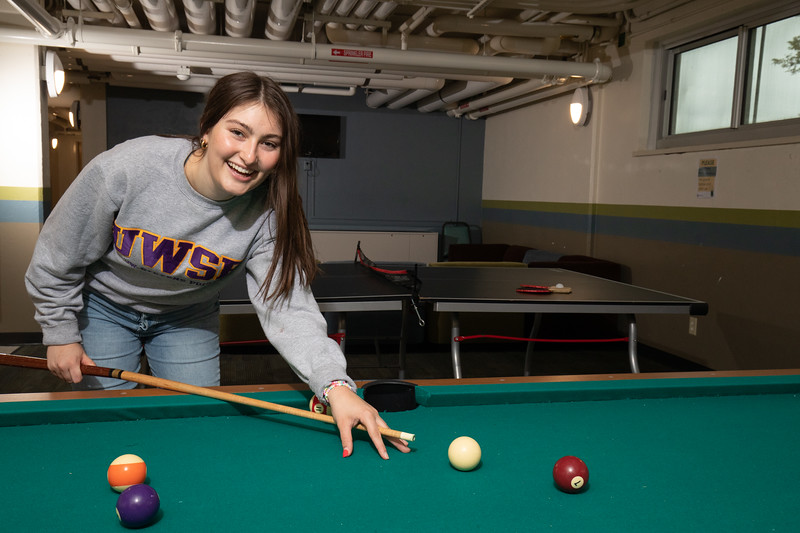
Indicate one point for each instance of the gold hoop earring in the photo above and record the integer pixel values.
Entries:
(203, 144)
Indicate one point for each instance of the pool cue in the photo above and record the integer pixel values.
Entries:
(177, 386)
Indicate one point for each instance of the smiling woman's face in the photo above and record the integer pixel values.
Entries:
(242, 149)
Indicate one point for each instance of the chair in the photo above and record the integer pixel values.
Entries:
(453, 233)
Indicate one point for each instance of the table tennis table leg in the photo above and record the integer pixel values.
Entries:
(401, 373)
(537, 323)
(455, 331)
(342, 329)
(632, 341)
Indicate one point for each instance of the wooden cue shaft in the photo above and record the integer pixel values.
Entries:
(177, 386)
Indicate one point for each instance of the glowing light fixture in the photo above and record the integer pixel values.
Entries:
(53, 74)
(54, 143)
(581, 106)
(75, 114)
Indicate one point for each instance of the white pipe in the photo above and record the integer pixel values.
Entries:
(281, 18)
(339, 35)
(456, 91)
(376, 99)
(160, 14)
(184, 45)
(362, 11)
(409, 98)
(126, 8)
(487, 26)
(105, 6)
(201, 16)
(502, 95)
(44, 22)
(511, 104)
(239, 17)
(382, 13)
(547, 46)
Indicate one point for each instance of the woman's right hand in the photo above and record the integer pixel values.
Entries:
(64, 361)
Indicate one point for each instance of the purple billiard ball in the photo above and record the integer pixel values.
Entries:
(137, 505)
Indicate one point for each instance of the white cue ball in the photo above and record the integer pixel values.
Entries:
(464, 453)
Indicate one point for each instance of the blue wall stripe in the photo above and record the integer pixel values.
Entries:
(21, 211)
(762, 239)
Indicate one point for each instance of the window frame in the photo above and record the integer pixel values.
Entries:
(737, 132)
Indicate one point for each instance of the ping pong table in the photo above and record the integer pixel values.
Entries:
(347, 287)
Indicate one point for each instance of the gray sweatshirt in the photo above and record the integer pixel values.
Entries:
(132, 229)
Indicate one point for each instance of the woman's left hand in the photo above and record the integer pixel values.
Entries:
(348, 409)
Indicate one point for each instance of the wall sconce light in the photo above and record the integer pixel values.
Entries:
(581, 106)
(54, 143)
(75, 114)
(184, 73)
(53, 74)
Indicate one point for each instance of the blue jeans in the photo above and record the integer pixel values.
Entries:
(181, 345)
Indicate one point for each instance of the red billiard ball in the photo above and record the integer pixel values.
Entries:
(570, 474)
(137, 505)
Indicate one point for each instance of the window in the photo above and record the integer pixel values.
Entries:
(736, 85)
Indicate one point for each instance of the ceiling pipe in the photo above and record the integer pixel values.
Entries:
(509, 93)
(547, 46)
(126, 8)
(106, 6)
(487, 26)
(525, 100)
(100, 39)
(381, 13)
(377, 98)
(239, 17)
(44, 22)
(201, 16)
(281, 19)
(362, 11)
(456, 91)
(160, 14)
(339, 35)
(409, 98)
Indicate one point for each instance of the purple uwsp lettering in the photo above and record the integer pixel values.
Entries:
(168, 252)
(124, 240)
(205, 264)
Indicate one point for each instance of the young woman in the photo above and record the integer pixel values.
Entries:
(136, 252)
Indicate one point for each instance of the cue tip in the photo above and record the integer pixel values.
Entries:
(410, 437)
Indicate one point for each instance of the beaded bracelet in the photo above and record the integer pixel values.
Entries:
(333, 385)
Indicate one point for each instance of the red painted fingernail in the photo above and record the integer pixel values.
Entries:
(346, 453)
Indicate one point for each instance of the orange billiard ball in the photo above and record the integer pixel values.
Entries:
(126, 470)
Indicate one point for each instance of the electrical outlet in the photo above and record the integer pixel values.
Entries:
(692, 325)
(307, 165)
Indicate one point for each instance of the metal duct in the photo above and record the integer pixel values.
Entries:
(160, 14)
(239, 17)
(281, 18)
(44, 22)
(106, 6)
(201, 16)
(339, 35)
(409, 98)
(382, 13)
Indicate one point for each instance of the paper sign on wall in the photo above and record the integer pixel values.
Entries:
(706, 175)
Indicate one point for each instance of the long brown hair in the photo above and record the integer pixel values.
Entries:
(293, 251)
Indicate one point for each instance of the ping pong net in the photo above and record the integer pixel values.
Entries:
(403, 277)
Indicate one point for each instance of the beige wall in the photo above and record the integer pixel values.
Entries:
(535, 155)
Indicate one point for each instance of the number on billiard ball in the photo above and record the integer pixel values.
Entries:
(137, 506)
(570, 474)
